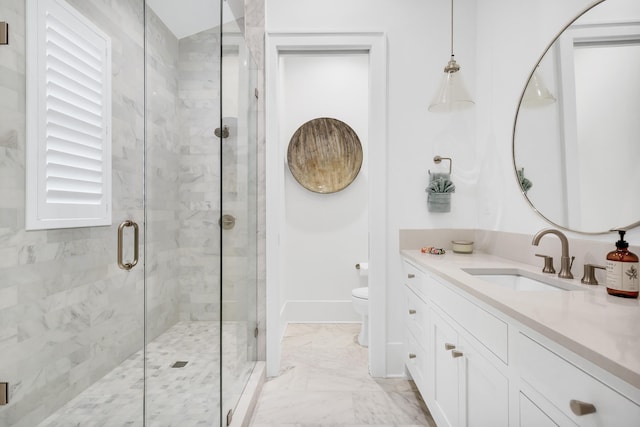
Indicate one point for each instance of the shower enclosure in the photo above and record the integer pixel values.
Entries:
(148, 318)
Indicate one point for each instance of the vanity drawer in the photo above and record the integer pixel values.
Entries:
(560, 382)
(416, 315)
(413, 278)
(484, 326)
(415, 360)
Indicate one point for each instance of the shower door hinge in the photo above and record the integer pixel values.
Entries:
(256, 92)
(4, 393)
(4, 34)
(229, 417)
(256, 331)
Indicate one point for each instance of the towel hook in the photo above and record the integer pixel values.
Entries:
(438, 159)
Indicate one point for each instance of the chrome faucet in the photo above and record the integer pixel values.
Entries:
(565, 261)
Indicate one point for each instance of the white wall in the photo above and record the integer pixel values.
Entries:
(497, 43)
(325, 234)
(417, 34)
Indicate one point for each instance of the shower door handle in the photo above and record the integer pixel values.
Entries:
(128, 265)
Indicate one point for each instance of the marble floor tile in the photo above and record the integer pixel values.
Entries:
(293, 407)
(324, 381)
(175, 397)
(291, 377)
(389, 407)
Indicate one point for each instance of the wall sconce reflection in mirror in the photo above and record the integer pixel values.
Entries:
(537, 94)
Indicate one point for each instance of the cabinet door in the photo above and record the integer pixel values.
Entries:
(485, 397)
(446, 372)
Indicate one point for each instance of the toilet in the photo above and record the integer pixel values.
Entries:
(360, 299)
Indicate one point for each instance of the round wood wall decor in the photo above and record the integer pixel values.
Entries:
(324, 155)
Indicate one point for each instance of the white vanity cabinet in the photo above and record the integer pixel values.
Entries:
(415, 339)
(477, 367)
(416, 321)
(459, 378)
(577, 395)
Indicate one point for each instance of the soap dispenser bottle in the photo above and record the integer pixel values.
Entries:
(622, 270)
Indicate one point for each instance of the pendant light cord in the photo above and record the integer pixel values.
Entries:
(451, 27)
(452, 94)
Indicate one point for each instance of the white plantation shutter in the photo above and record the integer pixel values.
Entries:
(69, 119)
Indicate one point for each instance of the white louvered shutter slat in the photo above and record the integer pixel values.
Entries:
(69, 135)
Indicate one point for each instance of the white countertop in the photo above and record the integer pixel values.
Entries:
(593, 324)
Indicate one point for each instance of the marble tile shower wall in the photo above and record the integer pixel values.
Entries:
(199, 94)
(68, 315)
(163, 171)
(199, 181)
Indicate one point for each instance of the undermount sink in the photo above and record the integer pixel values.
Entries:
(520, 280)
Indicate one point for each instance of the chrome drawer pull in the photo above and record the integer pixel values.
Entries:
(581, 408)
(456, 353)
(411, 276)
(412, 312)
(412, 356)
(448, 346)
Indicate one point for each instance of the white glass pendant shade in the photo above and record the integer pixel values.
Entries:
(452, 94)
(536, 94)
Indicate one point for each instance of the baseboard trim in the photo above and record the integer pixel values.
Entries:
(395, 360)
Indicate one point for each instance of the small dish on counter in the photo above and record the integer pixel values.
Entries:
(462, 246)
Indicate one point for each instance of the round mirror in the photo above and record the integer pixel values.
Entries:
(576, 138)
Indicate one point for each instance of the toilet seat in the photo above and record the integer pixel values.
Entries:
(361, 293)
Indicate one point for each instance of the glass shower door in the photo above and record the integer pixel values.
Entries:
(183, 243)
(83, 341)
(238, 194)
(71, 321)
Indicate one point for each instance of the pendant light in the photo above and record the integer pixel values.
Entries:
(452, 94)
(536, 93)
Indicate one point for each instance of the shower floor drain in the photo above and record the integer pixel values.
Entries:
(179, 364)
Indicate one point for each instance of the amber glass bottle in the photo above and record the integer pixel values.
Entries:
(622, 270)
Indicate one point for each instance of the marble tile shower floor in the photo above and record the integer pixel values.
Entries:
(176, 397)
(324, 380)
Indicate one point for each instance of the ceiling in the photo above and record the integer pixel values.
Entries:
(188, 17)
